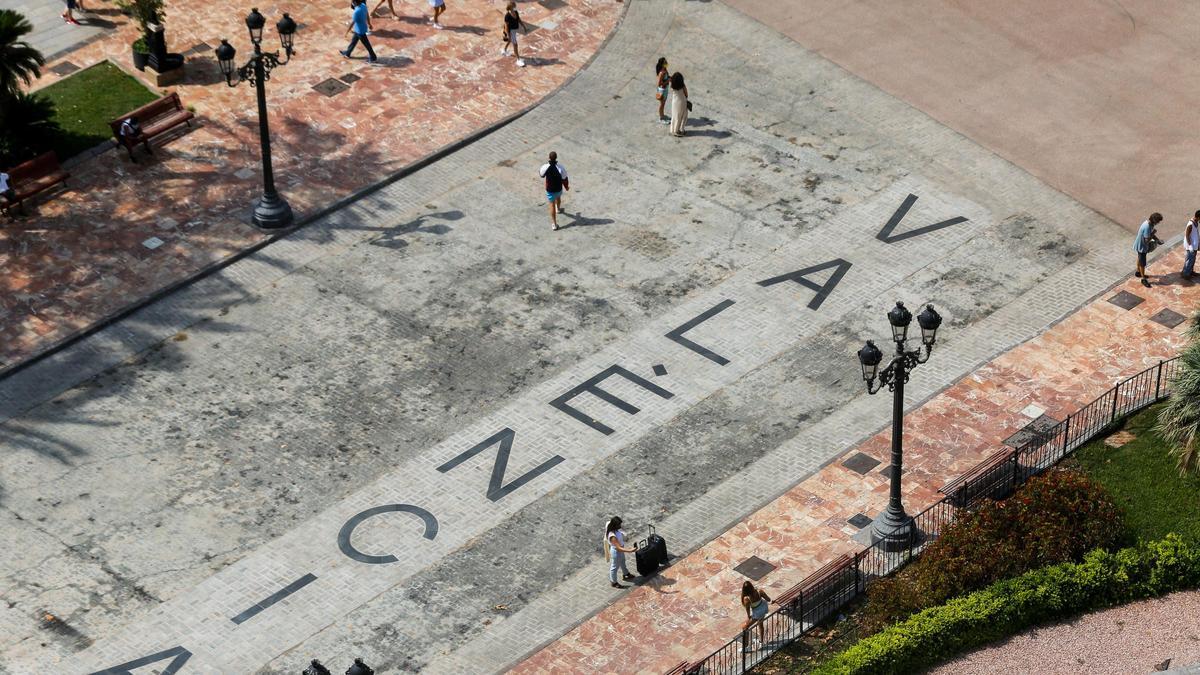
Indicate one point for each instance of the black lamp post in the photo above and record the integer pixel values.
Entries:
(895, 527)
(272, 211)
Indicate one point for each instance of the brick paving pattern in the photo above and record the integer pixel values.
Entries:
(692, 608)
(79, 256)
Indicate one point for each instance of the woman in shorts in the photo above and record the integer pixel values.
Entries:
(512, 21)
(756, 602)
(390, 8)
(438, 6)
(663, 79)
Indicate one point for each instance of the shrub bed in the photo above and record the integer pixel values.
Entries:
(1056, 517)
(1007, 607)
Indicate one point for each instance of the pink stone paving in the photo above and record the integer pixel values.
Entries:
(693, 607)
(79, 256)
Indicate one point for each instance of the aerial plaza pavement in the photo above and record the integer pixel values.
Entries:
(397, 433)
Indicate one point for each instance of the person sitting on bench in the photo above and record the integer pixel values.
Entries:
(131, 133)
(7, 193)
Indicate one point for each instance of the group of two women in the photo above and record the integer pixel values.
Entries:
(679, 97)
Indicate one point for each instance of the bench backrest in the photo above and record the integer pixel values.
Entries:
(147, 113)
(826, 571)
(39, 166)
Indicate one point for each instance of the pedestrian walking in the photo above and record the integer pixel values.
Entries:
(679, 104)
(1147, 240)
(390, 8)
(755, 601)
(438, 6)
(1191, 242)
(662, 78)
(68, 14)
(615, 550)
(360, 25)
(512, 21)
(556, 181)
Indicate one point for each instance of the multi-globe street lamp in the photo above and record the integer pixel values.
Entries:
(893, 526)
(271, 211)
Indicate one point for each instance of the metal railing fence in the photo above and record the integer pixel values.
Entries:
(1002, 475)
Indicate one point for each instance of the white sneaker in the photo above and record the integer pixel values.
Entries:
(521, 62)
(438, 26)
(503, 52)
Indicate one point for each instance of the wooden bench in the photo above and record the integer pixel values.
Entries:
(954, 489)
(812, 580)
(33, 178)
(155, 118)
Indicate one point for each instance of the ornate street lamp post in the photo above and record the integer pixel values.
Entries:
(895, 527)
(272, 211)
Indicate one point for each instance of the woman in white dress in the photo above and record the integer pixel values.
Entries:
(679, 104)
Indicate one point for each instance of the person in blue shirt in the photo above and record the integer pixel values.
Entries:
(360, 25)
(1145, 242)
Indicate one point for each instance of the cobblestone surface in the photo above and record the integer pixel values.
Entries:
(334, 371)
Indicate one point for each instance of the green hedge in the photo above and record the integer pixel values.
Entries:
(1010, 606)
(1056, 517)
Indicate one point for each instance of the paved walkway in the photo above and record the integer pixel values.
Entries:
(122, 232)
(202, 477)
(54, 37)
(692, 608)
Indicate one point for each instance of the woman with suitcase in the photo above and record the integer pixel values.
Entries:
(615, 550)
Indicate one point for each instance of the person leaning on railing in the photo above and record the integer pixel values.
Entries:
(756, 602)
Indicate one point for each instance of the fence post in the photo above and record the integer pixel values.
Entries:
(745, 646)
(1158, 380)
(800, 602)
(1116, 392)
(1066, 434)
(858, 585)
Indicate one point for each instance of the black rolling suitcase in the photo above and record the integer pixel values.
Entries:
(651, 554)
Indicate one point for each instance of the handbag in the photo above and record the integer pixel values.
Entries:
(689, 106)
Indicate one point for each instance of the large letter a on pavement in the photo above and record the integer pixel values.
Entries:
(822, 290)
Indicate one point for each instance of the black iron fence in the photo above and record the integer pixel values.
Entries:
(829, 589)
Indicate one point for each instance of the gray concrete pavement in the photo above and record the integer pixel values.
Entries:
(178, 468)
(51, 35)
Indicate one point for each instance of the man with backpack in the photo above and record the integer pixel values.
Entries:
(556, 181)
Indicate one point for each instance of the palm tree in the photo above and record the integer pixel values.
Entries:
(1179, 421)
(27, 127)
(19, 62)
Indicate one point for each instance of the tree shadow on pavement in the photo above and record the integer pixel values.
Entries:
(391, 237)
(43, 407)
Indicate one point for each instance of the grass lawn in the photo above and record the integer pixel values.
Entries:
(1142, 477)
(86, 101)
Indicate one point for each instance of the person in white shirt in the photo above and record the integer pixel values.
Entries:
(556, 181)
(6, 191)
(1191, 242)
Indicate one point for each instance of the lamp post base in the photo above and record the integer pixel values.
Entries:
(895, 529)
(272, 212)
